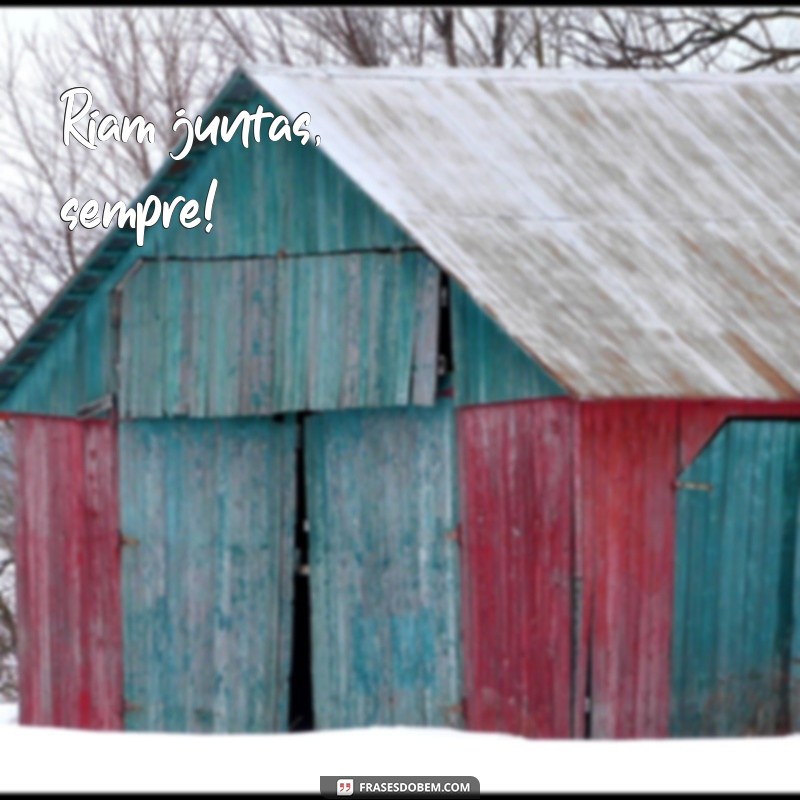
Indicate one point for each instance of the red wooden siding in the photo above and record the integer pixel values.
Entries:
(700, 420)
(515, 479)
(568, 530)
(628, 455)
(627, 462)
(68, 573)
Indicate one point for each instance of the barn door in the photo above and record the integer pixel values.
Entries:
(517, 523)
(67, 573)
(383, 560)
(736, 584)
(207, 512)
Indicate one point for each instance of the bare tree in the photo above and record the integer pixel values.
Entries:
(734, 39)
(362, 37)
(155, 61)
(408, 36)
(731, 39)
(8, 628)
(134, 61)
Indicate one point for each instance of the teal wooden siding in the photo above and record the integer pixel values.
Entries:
(207, 581)
(72, 371)
(232, 338)
(279, 196)
(735, 583)
(384, 567)
(489, 366)
(794, 668)
(271, 197)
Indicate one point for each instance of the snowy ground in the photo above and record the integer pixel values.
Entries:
(44, 759)
(8, 714)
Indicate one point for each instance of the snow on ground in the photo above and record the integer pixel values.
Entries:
(8, 714)
(47, 759)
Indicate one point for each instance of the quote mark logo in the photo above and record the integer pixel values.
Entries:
(344, 787)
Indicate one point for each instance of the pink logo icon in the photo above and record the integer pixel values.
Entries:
(344, 787)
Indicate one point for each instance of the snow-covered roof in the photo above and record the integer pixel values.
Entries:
(636, 233)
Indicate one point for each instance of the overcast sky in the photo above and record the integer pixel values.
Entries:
(24, 19)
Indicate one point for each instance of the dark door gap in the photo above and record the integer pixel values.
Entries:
(301, 711)
(587, 694)
(445, 334)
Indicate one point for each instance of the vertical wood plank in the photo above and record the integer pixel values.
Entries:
(68, 573)
(736, 549)
(319, 333)
(384, 574)
(207, 595)
(627, 453)
(515, 463)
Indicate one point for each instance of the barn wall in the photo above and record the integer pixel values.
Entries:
(592, 483)
(230, 338)
(489, 366)
(68, 583)
(794, 648)
(384, 569)
(207, 579)
(74, 369)
(276, 196)
(629, 456)
(626, 456)
(515, 463)
(735, 582)
(280, 196)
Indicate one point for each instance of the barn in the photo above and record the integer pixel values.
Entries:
(485, 414)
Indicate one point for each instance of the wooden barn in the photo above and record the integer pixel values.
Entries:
(485, 413)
